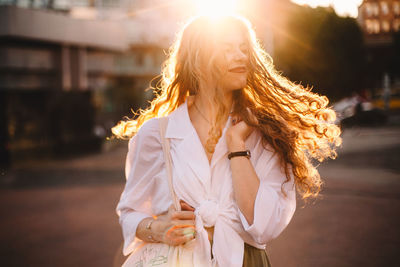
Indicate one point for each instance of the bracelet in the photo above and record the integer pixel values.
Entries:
(148, 227)
(245, 153)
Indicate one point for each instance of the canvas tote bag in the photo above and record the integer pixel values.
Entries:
(160, 254)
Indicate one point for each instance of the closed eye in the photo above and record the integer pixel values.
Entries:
(244, 48)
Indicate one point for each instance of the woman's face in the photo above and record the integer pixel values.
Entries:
(232, 59)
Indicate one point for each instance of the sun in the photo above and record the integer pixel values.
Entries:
(216, 8)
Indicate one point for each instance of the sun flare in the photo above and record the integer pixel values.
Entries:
(216, 8)
(342, 7)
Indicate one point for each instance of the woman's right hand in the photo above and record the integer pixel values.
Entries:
(175, 227)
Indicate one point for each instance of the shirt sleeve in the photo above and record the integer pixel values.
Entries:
(272, 209)
(145, 191)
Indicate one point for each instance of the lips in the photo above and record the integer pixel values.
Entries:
(239, 69)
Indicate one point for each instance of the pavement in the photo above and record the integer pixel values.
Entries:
(355, 222)
(62, 212)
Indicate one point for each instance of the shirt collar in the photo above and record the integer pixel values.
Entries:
(179, 124)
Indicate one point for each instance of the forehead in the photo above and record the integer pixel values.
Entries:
(233, 36)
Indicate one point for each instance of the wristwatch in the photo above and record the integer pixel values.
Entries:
(245, 153)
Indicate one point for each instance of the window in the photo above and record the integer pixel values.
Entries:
(384, 8)
(375, 9)
(372, 26)
(368, 25)
(396, 25)
(396, 8)
(377, 27)
(140, 58)
(368, 9)
(385, 26)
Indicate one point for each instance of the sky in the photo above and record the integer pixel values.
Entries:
(342, 7)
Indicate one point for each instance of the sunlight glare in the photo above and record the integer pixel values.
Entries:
(342, 7)
(216, 8)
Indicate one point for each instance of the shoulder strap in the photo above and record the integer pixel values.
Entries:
(163, 123)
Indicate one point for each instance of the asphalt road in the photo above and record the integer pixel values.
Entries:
(61, 212)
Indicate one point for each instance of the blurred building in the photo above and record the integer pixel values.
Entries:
(380, 21)
(64, 80)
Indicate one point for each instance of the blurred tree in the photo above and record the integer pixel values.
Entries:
(320, 49)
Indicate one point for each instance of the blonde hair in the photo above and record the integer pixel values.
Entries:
(294, 121)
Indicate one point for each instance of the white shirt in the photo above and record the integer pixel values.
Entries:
(205, 186)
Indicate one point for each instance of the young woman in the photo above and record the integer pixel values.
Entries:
(242, 139)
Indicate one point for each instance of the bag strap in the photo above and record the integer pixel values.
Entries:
(163, 123)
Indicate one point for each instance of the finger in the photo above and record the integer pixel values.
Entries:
(174, 232)
(182, 240)
(252, 117)
(183, 215)
(183, 223)
(187, 233)
(184, 231)
(179, 230)
(171, 231)
(245, 129)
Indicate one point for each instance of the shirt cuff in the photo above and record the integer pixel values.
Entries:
(130, 223)
(265, 217)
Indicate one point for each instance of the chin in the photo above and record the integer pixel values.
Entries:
(239, 85)
(236, 84)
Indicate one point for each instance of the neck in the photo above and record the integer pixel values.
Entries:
(207, 108)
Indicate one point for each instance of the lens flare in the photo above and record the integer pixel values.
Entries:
(216, 8)
(342, 7)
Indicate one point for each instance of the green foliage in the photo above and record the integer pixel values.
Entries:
(322, 50)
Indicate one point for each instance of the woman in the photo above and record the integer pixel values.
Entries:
(222, 96)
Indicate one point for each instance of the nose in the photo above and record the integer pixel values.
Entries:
(241, 55)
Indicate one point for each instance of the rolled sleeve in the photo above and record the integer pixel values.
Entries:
(129, 221)
(272, 209)
(144, 172)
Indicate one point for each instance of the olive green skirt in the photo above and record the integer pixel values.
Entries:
(255, 257)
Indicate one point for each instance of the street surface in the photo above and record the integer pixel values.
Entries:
(62, 212)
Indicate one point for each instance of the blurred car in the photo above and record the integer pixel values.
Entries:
(357, 111)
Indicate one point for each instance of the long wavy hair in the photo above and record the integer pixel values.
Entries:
(295, 122)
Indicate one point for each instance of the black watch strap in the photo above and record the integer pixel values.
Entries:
(245, 153)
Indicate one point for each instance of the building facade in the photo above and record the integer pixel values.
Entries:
(65, 81)
(380, 22)
(379, 19)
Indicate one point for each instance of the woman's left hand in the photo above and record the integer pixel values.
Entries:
(237, 134)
